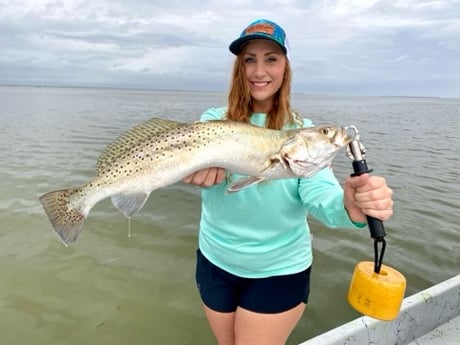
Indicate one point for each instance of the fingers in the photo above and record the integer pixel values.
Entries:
(375, 198)
(357, 181)
(368, 195)
(188, 179)
(383, 215)
(206, 177)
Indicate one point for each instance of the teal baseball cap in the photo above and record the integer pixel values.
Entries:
(261, 29)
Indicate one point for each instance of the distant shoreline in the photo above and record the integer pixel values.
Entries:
(216, 92)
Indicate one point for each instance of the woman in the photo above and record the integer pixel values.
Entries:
(255, 255)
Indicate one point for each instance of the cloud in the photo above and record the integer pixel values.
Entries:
(339, 46)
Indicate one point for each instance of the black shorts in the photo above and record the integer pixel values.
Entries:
(224, 292)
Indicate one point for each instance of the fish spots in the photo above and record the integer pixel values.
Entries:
(157, 141)
(59, 209)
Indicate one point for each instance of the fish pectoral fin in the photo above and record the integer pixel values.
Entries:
(273, 162)
(129, 204)
(243, 183)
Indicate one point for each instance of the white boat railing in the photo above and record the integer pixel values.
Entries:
(420, 314)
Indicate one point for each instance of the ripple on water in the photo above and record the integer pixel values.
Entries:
(112, 289)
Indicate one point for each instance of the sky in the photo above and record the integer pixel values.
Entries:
(349, 47)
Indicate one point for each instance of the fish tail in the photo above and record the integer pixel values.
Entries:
(66, 221)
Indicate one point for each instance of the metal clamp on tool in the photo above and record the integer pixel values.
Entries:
(356, 151)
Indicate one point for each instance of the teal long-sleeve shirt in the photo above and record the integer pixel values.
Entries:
(262, 230)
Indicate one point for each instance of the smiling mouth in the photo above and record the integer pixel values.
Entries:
(260, 83)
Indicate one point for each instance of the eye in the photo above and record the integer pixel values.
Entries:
(271, 59)
(249, 60)
(324, 131)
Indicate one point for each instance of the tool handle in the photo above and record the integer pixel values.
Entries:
(376, 227)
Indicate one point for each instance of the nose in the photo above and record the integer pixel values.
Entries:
(259, 71)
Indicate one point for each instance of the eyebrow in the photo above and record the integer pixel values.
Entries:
(267, 53)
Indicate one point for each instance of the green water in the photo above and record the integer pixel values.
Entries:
(111, 289)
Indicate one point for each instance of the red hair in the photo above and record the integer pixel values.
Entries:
(239, 98)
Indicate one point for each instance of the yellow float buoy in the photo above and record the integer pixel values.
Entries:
(376, 290)
(378, 295)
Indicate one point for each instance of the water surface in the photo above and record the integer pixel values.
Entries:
(111, 289)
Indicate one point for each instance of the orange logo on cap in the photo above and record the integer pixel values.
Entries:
(265, 28)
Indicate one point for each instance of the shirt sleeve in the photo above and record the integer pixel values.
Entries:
(213, 114)
(322, 197)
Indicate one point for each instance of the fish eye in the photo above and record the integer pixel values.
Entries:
(324, 131)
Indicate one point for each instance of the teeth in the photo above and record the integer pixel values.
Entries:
(260, 83)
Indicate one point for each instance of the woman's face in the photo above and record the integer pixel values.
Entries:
(264, 65)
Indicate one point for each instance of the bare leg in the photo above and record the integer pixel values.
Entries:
(222, 325)
(245, 327)
(265, 329)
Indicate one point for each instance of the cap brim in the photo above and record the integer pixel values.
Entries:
(236, 46)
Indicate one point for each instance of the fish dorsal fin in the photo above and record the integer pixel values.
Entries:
(129, 204)
(131, 138)
(243, 183)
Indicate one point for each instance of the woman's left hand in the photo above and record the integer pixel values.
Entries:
(367, 195)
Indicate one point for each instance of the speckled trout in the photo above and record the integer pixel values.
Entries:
(161, 152)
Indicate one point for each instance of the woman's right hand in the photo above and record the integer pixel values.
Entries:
(206, 177)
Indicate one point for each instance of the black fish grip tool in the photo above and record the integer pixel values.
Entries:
(356, 152)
